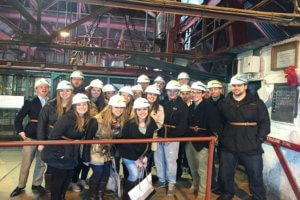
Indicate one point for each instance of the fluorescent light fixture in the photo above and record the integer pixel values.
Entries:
(64, 34)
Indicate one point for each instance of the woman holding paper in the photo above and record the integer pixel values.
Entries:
(135, 157)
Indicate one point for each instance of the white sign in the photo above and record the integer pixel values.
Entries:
(11, 101)
(286, 58)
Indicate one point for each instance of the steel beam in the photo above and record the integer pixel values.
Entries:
(96, 49)
(11, 25)
(287, 19)
(262, 3)
(100, 11)
(26, 14)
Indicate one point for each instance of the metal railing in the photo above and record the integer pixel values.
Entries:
(211, 141)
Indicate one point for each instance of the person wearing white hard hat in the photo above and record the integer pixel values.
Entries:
(203, 121)
(31, 108)
(97, 104)
(160, 82)
(94, 92)
(49, 114)
(100, 156)
(183, 78)
(109, 91)
(127, 94)
(246, 128)
(175, 124)
(137, 91)
(185, 93)
(135, 157)
(144, 81)
(156, 112)
(75, 124)
(76, 79)
(216, 89)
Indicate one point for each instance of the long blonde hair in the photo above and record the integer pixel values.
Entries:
(106, 118)
(80, 125)
(59, 106)
(147, 121)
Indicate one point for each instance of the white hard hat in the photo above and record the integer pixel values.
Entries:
(64, 85)
(159, 79)
(140, 103)
(214, 84)
(117, 101)
(95, 84)
(153, 89)
(77, 74)
(143, 79)
(126, 89)
(80, 98)
(41, 81)
(137, 87)
(183, 75)
(198, 85)
(185, 88)
(238, 79)
(108, 88)
(173, 85)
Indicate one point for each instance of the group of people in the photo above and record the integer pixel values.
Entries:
(239, 121)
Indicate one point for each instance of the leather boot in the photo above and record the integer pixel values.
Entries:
(94, 189)
(128, 185)
(102, 186)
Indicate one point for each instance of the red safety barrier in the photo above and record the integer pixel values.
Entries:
(211, 141)
(277, 143)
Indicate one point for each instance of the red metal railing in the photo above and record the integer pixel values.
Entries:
(211, 141)
(277, 143)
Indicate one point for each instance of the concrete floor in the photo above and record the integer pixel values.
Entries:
(10, 159)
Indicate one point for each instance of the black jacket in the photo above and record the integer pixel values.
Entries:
(131, 131)
(66, 156)
(31, 108)
(218, 101)
(244, 139)
(79, 90)
(205, 116)
(176, 114)
(47, 119)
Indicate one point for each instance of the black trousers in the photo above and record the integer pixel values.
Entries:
(254, 167)
(60, 181)
(80, 168)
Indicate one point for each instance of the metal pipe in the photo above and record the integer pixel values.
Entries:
(106, 141)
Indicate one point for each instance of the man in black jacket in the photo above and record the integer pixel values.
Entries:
(203, 121)
(175, 123)
(216, 89)
(32, 109)
(247, 125)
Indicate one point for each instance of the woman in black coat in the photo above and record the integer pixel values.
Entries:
(49, 114)
(76, 124)
(135, 157)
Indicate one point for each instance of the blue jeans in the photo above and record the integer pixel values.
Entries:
(254, 167)
(165, 158)
(99, 171)
(134, 172)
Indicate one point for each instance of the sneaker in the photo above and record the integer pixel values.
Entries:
(171, 190)
(84, 184)
(159, 184)
(75, 187)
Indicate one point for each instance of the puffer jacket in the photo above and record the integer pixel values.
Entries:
(244, 139)
(66, 156)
